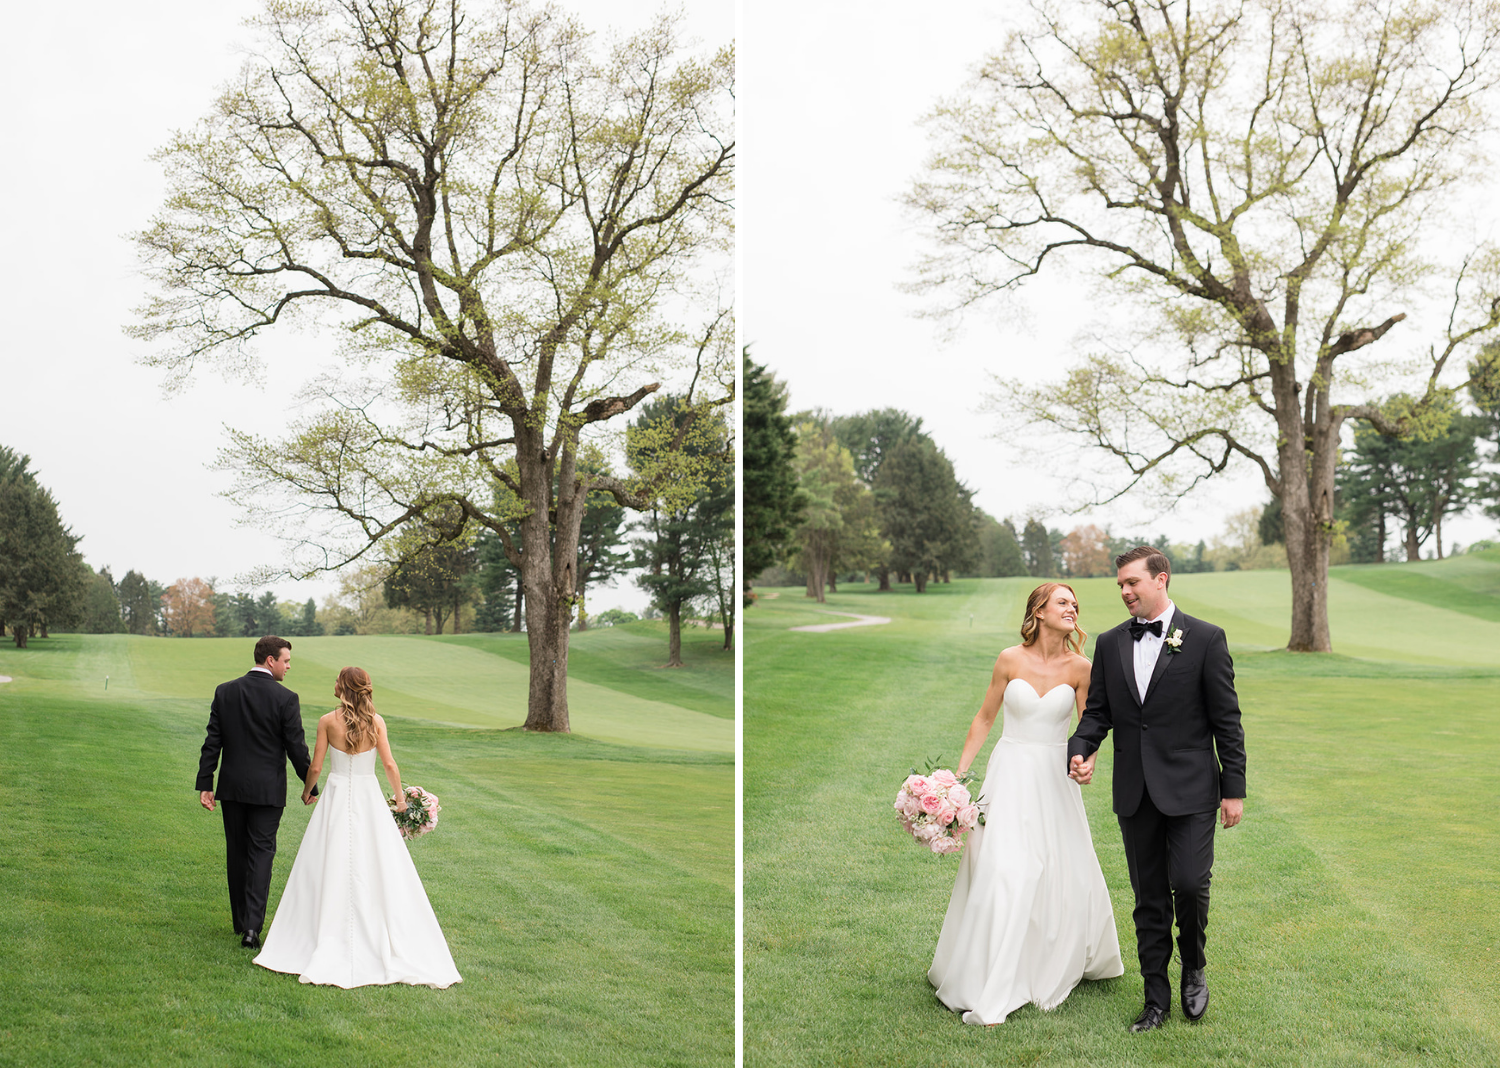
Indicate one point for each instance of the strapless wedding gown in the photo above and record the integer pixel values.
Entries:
(1030, 914)
(354, 912)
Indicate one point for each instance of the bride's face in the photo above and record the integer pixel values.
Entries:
(1060, 612)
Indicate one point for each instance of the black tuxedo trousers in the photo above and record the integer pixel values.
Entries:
(1177, 753)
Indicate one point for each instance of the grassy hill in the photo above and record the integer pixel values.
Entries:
(1353, 920)
(588, 907)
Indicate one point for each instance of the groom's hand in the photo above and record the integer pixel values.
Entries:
(1230, 811)
(206, 799)
(1082, 771)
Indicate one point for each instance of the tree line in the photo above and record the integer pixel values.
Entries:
(680, 549)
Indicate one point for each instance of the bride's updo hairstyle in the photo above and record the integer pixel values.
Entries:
(357, 707)
(1031, 626)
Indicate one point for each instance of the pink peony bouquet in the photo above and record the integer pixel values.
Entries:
(421, 813)
(937, 809)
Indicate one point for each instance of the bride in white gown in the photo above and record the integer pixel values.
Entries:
(1030, 915)
(354, 912)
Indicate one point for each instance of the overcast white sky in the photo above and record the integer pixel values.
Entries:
(831, 95)
(91, 90)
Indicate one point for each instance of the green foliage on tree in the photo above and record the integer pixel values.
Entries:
(434, 574)
(674, 548)
(43, 580)
(304, 624)
(101, 610)
(771, 501)
(1036, 546)
(839, 530)
(140, 601)
(999, 550)
(924, 511)
(611, 617)
(1414, 481)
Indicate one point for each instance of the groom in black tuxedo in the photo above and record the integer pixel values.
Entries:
(256, 724)
(1164, 683)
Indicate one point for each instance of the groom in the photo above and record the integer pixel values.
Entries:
(1165, 684)
(256, 723)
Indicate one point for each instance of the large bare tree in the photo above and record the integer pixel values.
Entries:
(510, 223)
(1263, 184)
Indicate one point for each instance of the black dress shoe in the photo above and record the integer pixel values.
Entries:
(1194, 994)
(1149, 1020)
(251, 940)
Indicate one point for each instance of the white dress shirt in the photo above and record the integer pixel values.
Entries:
(263, 669)
(1148, 649)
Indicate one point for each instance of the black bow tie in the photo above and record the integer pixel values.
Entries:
(1137, 628)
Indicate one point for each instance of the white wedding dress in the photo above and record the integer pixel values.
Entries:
(1030, 914)
(354, 912)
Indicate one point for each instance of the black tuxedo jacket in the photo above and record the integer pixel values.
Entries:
(1167, 743)
(256, 724)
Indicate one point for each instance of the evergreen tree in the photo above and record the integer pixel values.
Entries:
(924, 511)
(43, 579)
(138, 604)
(674, 550)
(101, 612)
(1036, 544)
(771, 502)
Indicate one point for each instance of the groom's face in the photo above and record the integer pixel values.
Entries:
(280, 665)
(1145, 596)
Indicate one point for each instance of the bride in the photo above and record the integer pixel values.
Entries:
(354, 912)
(1030, 915)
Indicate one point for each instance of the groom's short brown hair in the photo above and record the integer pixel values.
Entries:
(1156, 560)
(270, 645)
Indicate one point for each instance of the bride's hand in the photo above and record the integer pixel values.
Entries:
(402, 806)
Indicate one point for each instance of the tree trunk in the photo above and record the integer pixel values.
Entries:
(1307, 510)
(455, 611)
(549, 561)
(885, 580)
(1380, 545)
(516, 625)
(44, 633)
(1437, 529)
(833, 582)
(20, 632)
(674, 635)
(920, 578)
(427, 615)
(1413, 547)
(728, 634)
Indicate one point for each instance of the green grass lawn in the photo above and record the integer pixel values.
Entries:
(1355, 917)
(585, 883)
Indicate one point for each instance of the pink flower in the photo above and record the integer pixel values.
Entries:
(958, 794)
(916, 784)
(945, 814)
(968, 816)
(945, 845)
(911, 806)
(944, 778)
(931, 803)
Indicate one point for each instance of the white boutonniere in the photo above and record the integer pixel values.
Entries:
(1174, 641)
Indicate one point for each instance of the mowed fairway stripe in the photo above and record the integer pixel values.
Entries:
(433, 680)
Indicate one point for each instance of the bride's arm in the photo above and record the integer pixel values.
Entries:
(320, 747)
(979, 730)
(392, 773)
(1083, 773)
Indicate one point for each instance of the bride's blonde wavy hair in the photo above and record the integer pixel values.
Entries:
(1031, 626)
(356, 707)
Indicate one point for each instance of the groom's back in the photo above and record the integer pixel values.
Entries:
(255, 714)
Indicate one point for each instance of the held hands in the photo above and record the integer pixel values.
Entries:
(1230, 811)
(206, 799)
(1080, 770)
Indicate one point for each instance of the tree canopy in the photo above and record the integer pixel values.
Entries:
(1261, 184)
(43, 579)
